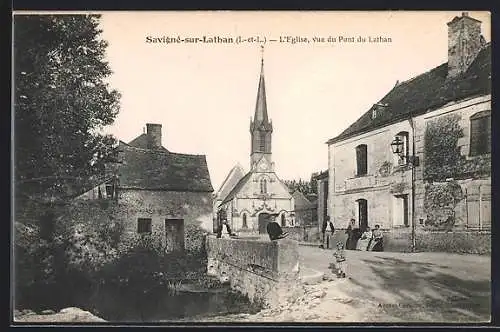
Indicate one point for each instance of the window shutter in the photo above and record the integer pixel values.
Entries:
(480, 134)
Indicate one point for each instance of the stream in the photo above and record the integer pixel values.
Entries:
(161, 305)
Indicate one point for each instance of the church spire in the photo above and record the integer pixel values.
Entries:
(260, 128)
(261, 105)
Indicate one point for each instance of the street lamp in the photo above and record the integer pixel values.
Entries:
(398, 148)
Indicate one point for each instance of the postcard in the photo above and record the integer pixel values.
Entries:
(251, 167)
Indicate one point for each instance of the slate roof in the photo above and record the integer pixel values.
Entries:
(232, 178)
(424, 93)
(141, 141)
(236, 188)
(162, 170)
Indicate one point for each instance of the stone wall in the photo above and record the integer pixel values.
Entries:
(266, 271)
(195, 208)
(301, 234)
(399, 240)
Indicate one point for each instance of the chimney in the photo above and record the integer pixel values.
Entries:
(153, 130)
(464, 43)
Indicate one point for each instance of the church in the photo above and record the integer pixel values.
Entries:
(249, 201)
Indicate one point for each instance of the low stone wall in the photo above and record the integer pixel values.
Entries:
(399, 240)
(266, 271)
(301, 234)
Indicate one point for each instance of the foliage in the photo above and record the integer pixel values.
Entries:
(305, 187)
(442, 153)
(195, 239)
(440, 201)
(443, 158)
(61, 99)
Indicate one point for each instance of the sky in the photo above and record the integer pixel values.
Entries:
(204, 94)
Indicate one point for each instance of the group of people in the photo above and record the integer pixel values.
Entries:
(369, 240)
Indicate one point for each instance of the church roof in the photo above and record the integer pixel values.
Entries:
(237, 188)
(162, 170)
(424, 93)
(232, 178)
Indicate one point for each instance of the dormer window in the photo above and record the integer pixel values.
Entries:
(374, 113)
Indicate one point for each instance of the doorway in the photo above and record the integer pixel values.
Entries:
(263, 221)
(362, 214)
(400, 215)
(174, 234)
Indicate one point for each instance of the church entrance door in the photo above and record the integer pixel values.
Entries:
(263, 220)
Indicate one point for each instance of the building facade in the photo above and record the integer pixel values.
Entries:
(260, 193)
(158, 192)
(420, 157)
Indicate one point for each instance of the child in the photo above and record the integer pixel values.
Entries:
(340, 261)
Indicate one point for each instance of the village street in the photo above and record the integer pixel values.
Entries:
(388, 287)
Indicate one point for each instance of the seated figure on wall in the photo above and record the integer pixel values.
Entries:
(377, 243)
(365, 240)
(274, 230)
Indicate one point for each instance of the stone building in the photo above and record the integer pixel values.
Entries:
(159, 192)
(260, 193)
(438, 123)
(304, 211)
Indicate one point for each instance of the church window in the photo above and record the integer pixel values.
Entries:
(245, 225)
(361, 160)
(263, 186)
(262, 142)
(283, 220)
(480, 133)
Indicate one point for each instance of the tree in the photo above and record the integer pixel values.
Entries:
(61, 98)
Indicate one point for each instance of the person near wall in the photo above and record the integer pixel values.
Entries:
(364, 241)
(324, 245)
(377, 243)
(274, 230)
(350, 243)
(224, 224)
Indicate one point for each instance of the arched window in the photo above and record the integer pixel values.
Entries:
(402, 159)
(480, 133)
(263, 186)
(361, 160)
(283, 220)
(244, 225)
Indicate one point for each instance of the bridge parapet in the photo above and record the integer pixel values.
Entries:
(265, 271)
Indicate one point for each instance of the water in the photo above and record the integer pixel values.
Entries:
(160, 305)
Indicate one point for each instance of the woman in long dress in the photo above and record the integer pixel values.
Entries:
(365, 239)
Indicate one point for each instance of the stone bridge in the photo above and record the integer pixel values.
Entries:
(266, 271)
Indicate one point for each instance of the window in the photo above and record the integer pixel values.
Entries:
(402, 159)
(263, 186)
(109, 191)
(480, 133)
(244, 221)
(374, 113)
(144, 225)
(361, 160)
(262, 142)
(283, 220)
